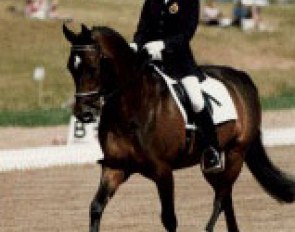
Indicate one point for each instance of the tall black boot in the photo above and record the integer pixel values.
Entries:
(212, 160)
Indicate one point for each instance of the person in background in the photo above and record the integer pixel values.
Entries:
(211, 15)
(164, 31)
(36, 9)
(52, 12)
(247, 13)
(257, 6)
(44, 9)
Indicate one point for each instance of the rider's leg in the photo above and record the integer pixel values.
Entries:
(211, 160)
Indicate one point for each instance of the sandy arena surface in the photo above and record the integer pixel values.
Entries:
(57, 199)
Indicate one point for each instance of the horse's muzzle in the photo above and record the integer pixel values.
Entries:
(85, 113)
(86, 117)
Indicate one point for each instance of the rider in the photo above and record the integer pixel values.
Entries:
(164, 30)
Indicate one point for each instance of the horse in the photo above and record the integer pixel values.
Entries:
(141, 129)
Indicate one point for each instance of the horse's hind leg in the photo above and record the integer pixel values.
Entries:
(165, 185)
(230, 214)
(223, 203)
(217, 209)
(222, 184)
(109, 183)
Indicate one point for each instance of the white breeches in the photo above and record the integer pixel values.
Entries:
(193, 89)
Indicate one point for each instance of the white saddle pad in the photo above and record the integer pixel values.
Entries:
(222, 106)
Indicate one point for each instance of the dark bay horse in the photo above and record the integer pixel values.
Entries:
(142, 131)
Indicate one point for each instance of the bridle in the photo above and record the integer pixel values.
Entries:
(84, 47)
(102, 95)
(88, 94)
(88, 47)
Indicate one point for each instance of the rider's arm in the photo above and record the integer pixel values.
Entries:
(188, 24)
(143, 27)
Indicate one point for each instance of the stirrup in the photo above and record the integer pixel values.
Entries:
(214, 169)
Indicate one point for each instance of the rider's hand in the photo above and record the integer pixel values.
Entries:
(133, 46)
(155, 49)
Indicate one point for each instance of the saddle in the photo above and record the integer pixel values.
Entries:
(217, 100)
(216, 96)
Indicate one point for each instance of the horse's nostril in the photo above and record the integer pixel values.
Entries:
(87, 117)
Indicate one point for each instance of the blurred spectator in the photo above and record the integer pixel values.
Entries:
(240, 12)
(212, 15)
(256, 12)
(40, 9)
(36, 9)
(247, 14)
(52, 13)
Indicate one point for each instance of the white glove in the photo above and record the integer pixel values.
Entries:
(133, 46)
(155, 49)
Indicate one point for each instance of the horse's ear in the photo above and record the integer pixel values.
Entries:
(85, 31)
(70, 36)
(84, 28)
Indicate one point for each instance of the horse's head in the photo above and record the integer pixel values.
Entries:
(86, 63)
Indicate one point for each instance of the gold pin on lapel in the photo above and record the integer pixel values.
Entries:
(173, 9)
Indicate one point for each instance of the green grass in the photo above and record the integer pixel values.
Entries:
(269, 57)
(34, 118)
(278, 102)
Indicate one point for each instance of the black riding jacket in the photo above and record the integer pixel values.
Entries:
(175, 23)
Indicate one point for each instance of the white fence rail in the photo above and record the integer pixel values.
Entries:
(43, 157)
(279, 137)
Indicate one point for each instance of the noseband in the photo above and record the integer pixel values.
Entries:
(88, 94)
(85, 47)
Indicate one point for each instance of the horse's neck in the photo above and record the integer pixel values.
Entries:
(141, 98)
(121, 55)
(124, 69)
(139, 90)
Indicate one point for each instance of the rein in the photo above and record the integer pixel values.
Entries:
(87, 47)
(88, 94)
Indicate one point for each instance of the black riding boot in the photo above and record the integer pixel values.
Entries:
(212, 160)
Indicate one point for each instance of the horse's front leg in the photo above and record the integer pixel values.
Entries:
(165, 185)
(109, 182)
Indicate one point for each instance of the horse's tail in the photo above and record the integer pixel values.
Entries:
(275, 182)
